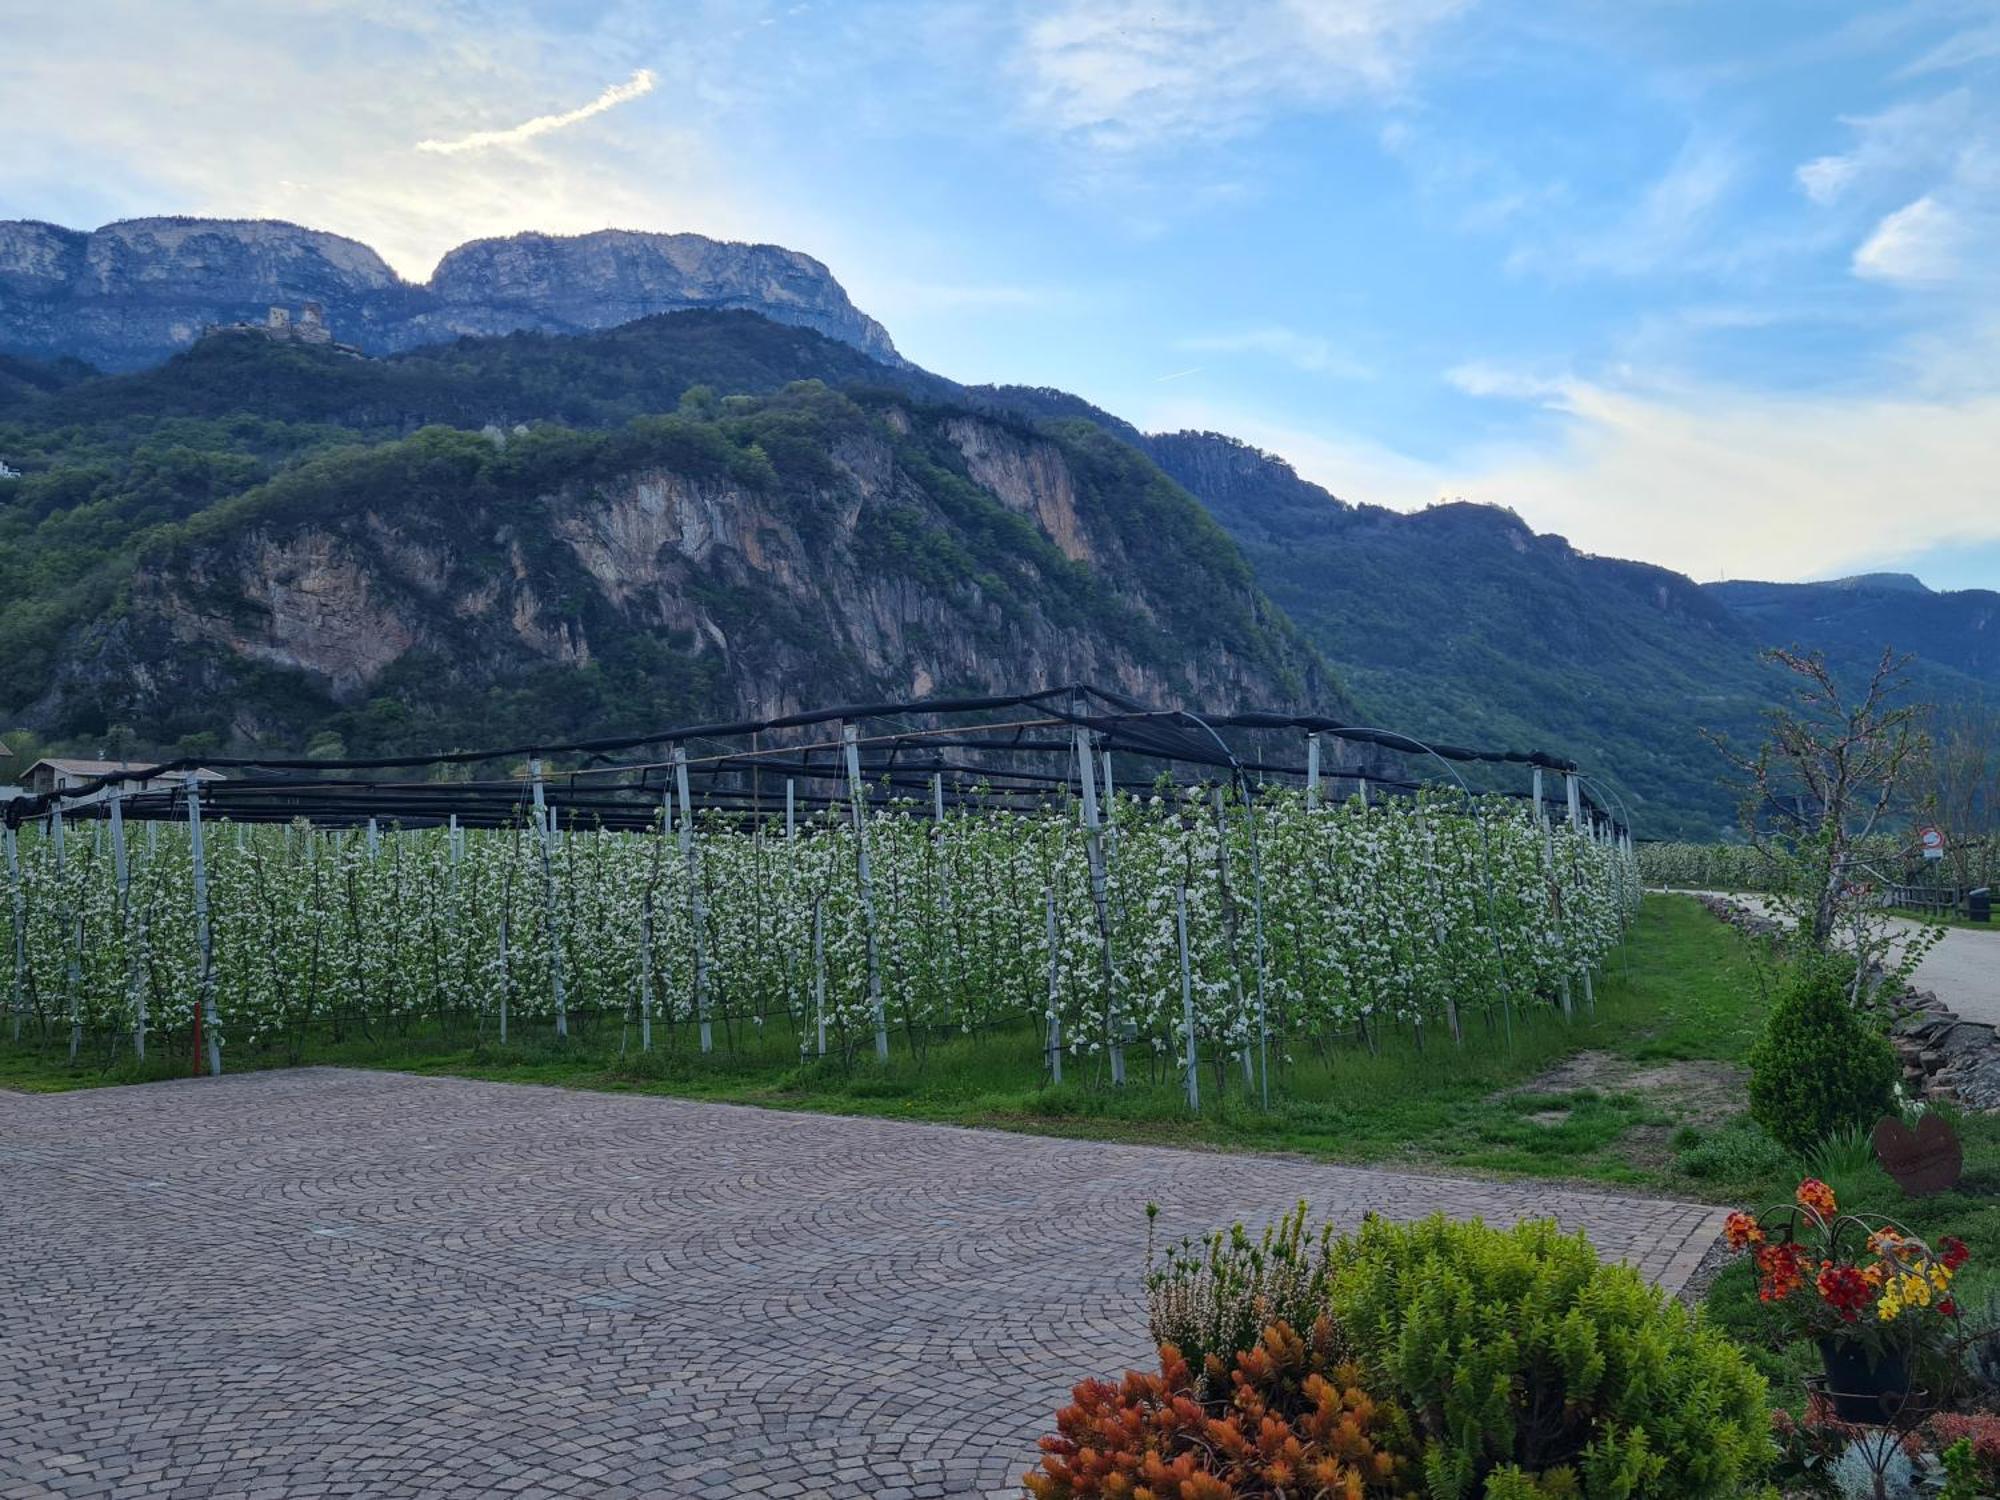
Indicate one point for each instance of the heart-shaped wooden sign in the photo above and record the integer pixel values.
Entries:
(1923, 1161)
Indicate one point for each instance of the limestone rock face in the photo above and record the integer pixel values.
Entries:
(133, 293)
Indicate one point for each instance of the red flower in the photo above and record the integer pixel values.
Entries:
(1817, 1196)
(1948, 1307)
(1845, 1290)
(1954, 1254)
(1781, 1269)
(1741, 1229)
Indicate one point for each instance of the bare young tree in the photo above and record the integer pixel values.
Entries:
(1831, 780)
(1959, 785)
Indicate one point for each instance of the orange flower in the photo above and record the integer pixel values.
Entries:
(1742, 1230)
(1817, 1197)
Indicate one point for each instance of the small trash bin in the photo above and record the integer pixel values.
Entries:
(1979, 905)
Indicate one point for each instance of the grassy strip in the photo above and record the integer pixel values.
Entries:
(1684, 987)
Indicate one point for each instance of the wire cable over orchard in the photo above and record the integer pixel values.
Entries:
(1155, 893)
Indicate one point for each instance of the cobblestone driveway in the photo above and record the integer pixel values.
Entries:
(317, 1283)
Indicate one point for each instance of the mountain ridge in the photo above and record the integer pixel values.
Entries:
(132, 292)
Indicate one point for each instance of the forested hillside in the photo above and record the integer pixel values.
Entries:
(535, 535)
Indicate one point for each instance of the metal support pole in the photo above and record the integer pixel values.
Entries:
(1093, 841)
(819, 969)
(1257, 937)
(1312, 771)
(552, 912)
(131, 932)
(1541, 809)
(1055, 1014)
(865, 883)
(1187, 1003)
(204, 940)
(506, 977)
(697, 903)
(20, 909)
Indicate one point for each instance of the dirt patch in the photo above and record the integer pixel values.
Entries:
(1697, 1092)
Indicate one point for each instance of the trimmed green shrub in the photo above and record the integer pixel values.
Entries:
(1535, 1371)
(1820, 1066)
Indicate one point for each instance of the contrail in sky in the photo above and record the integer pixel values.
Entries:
(639, 83)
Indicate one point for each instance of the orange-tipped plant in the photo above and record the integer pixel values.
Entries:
(1293, 1420)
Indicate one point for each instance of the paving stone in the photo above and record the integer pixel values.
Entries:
(321, 1283)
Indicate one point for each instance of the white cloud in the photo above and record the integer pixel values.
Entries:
(1480, 377)
(1920, 139)
(1660, 230)
(1922, 242)
(150, 111)
(1973, 45)
(1712, 480)
(1825, 178)
(1718, 481)
(640, 83)
(1302, 351)
(1128, 74)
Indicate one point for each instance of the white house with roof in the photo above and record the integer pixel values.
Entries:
(59, 773)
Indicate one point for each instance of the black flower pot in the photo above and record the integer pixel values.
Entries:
(1864, 1385)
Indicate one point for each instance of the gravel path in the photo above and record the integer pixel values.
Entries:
(323, 1283)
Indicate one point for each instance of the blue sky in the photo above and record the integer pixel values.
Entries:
(1714, 285)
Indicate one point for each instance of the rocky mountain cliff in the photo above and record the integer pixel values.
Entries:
(245, 545)
(130, 294)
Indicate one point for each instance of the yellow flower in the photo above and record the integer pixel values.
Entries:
(1941, 1276)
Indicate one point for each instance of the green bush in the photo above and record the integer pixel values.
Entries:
(1819, 1067)
(1535, 1371)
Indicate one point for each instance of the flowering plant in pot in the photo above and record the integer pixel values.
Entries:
(1872, 1296)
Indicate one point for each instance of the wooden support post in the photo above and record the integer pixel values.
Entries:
(1312, 771)
(865, 884)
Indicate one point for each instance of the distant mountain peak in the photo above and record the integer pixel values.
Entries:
(134, 292)
(1900, 583)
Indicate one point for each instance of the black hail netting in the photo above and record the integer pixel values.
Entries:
(997, 752)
